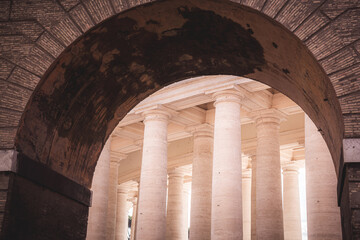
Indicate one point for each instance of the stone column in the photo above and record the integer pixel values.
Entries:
(96, 229)
(291, 196)
(323, 214)
(121, 214)
(174, 217)
(151, 216)
(186, 192)
(269, 214)
(246, 201)
(112, 197)
(253, 197)
(200, 224)
(226, 211)
(133, 218)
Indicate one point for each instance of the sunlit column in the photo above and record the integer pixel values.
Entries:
(253, 197)
(200, 224)
(269, 213)
(226, 211)
(121, 214)
(323, 213)
(174, 217)
(246, 201)
(133, 218)
(151, 216)
(112, 197)
(291, 196)
(186, 192)
(98, 211)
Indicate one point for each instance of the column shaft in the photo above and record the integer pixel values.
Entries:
(112, 199)
(226, 211)
(186, 192)
(133, 219)
(269, 214)
(246, 201)
(323, 214)
(291, 195)
(200, 224)
(151, 216)
(121, 215)
(253, 197)
(96, 229)
(174, 217)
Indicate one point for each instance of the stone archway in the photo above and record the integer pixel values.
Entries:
(106, 72)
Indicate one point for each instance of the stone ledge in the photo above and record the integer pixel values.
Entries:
(351, 150)
(11, 161)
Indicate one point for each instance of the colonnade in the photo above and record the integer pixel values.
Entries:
(226, 203)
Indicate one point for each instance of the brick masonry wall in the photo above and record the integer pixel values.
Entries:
(57, 216)
(33, 35)
(4, 184)
(350, 202)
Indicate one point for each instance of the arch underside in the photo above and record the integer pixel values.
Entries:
(106, 72)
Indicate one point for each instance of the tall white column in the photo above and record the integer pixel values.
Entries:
(253, 197)
(186, 192)
(269, 214)
(133, 218)
(151, 216)
(323, 213)
(174, 217)
(121, 214)
(291, 196)
(112, 197)
(98, 211)
(200, 224)
(226, 211)
(246, 201)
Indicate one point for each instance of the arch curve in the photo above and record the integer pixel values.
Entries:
(106, 72)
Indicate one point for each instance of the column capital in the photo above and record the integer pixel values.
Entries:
(123, 188)
(291, 166)
(131, 187)
(133, 200)
(251, 156)
(176, 172)
(246, 173)
(139, 142)
(231, 95)
(116, 157)
(156, 112)
(270, 115)
(202, 130)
